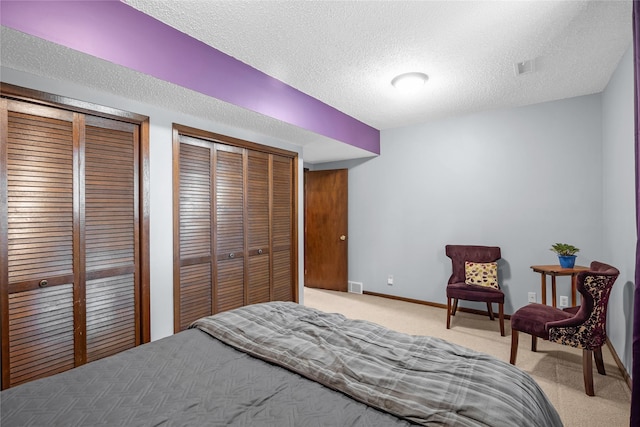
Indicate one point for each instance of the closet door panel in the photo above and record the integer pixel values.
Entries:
(229, 189)
(258, 286)
(110, 236)
(282, 228)
(195, 210)
(110, 315)
(195, 293)
(229, 228)
(230, 284)
(258, 200)
(40, 206)
(40, 333)
(110, 190)
(38, 214)
(282, 276)
(259, 289)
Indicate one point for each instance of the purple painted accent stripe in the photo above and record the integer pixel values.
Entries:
(116, 32)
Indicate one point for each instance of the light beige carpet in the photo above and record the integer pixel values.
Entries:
(557, 368)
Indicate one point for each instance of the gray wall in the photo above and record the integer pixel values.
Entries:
(619, 224)
(520, 178)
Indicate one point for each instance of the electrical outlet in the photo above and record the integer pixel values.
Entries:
(390, 280)
(564, 301)
(531, 297)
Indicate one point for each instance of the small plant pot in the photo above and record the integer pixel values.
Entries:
(567, 261)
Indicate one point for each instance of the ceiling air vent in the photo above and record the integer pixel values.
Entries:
(524, 67)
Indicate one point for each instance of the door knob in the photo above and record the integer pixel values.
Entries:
(343, 237)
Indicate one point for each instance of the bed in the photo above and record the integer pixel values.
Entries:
(283, 364)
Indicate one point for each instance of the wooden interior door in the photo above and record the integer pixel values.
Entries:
(326, 223)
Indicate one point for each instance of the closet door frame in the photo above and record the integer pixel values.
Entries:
(69, 104)
(215, 139)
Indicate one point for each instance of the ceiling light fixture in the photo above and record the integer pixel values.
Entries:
(409, 81)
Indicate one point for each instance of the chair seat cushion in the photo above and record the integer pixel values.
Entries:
(474, 293)
(532, 319)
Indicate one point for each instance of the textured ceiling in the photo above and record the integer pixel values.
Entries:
(346, 53)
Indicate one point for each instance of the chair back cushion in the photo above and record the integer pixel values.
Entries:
(461, 253)
(588, 329)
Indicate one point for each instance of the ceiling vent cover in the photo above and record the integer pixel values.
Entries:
(524, 67)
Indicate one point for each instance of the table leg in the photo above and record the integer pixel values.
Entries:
(544, 287)
(573, 290)
(553, 291)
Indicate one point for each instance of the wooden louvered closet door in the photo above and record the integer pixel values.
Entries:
(282, 229)
(111, 236)
(229, 228)
(69, 267)
(258, 236)
(195, 217)
(235, 228)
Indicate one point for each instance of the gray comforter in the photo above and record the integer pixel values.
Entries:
(187, 379)
(192, 379)
(422, 379)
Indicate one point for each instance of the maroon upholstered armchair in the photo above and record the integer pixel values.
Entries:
(464, 284)
(580, 327)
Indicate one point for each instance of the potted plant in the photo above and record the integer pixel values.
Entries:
(566, 254)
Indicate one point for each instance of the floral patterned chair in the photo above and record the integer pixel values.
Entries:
(474, 277)
(580, 327)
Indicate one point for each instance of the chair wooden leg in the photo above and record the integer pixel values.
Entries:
(455, 306)
(490, 310)
(597, 354)
(514, 346)
(534, 343)
(587, 372)
(448, 313)
(501, 318)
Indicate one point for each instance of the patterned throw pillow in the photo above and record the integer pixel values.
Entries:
(481, 273)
